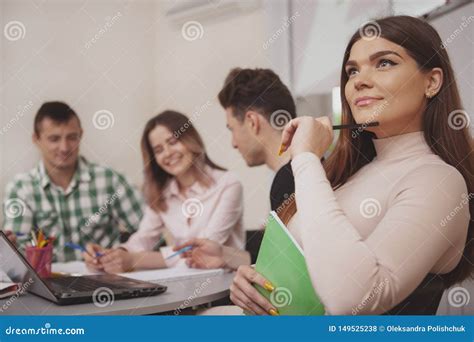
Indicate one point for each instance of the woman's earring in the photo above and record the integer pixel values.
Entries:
(430, 94)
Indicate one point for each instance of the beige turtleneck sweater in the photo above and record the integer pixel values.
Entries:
(371, 242)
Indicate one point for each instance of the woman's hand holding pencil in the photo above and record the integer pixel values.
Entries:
(307, 134)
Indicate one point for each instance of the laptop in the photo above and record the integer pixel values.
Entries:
(70, 289)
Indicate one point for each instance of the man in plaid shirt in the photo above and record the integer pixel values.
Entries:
(65, 195)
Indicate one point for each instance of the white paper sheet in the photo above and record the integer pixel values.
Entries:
(172, 274)
(72, 268)
(178, 272)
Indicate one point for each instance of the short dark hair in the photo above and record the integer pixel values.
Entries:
(256, 89)
(57, 111)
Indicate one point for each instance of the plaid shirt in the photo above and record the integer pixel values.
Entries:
(97, 202)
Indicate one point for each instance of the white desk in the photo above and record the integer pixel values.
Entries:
(181, 294)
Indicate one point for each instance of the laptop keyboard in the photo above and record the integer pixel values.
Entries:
(81, 284)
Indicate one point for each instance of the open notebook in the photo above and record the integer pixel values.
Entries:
(7, 287)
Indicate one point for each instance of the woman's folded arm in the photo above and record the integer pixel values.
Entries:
(371, 276)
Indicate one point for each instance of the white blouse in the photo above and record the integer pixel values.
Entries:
(214, 213)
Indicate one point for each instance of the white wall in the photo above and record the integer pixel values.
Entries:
(321, 35)
(57, 60)
(457, 32)
(459, 40)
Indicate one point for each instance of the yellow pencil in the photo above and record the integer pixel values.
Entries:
(280, 151)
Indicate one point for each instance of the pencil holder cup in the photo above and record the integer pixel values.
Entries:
(40, 259)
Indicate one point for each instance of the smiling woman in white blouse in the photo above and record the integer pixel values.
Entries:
(384, 222)
(186, 194)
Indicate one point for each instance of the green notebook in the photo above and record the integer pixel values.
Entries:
(281, 261)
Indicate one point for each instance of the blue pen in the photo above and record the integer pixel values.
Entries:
(181, 251)
(21, 236)
(82, 249)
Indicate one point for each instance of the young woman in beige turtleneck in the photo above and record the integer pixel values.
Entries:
(391, 206)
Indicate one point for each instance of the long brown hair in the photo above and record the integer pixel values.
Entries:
(454, 146)
(155, 177)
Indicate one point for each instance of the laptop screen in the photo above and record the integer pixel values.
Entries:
(14, 265)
